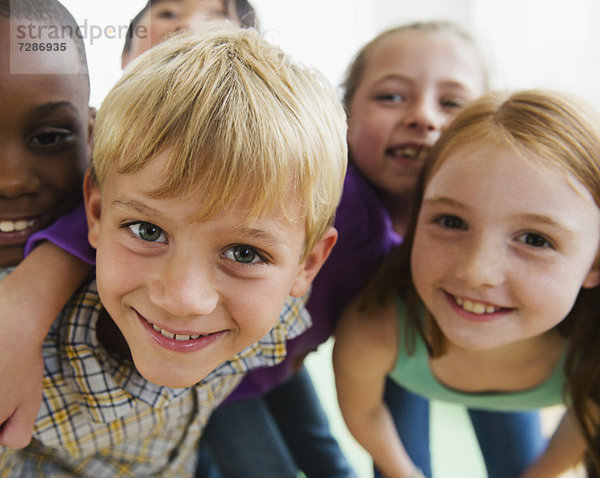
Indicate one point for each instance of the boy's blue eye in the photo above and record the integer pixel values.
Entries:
(243, 254)
(451, 222)
(534, 240)
(148, 232)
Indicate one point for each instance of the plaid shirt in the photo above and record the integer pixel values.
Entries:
(100, 418)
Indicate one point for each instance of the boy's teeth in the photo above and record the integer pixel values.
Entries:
(15, 226)
(178, 337)
(475, 307)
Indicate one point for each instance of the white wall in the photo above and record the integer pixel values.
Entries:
(548, 43)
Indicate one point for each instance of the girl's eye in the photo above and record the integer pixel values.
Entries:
(451, 222)
(148, 232)
(244, 254)
(534, 240)
(451, 104)
(51, 139)
(390, 97)
(168, 14)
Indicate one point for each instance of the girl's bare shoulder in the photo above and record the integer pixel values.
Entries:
(369, 335)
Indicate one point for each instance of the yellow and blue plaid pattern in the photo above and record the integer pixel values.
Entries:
(100, 418)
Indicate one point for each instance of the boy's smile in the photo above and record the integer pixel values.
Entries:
(188, 295)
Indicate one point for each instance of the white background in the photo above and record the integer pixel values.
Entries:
(531, 43)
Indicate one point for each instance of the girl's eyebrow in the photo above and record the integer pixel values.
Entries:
(445, 200)
(547, 221)
(449, 83)
(524, 217)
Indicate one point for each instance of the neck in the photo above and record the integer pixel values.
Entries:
(399, 208)
(526, 350)
(514, 367)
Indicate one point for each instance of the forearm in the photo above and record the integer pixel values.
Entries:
(32, 295)
(565, 450)
(40, 287)
(376, 433)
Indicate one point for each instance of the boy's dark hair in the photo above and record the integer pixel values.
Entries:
(47, 11)
(245, 12)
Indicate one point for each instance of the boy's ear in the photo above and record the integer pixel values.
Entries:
(93, 208)
(313, 263)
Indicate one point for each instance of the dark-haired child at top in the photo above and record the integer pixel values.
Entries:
(206, 215)
(160, 19)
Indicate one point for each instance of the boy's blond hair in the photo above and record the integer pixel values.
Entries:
(240, 120)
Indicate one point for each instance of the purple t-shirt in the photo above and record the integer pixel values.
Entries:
(68, 232)
(365, 238)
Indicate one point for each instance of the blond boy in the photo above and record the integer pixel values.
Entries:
(217, 167)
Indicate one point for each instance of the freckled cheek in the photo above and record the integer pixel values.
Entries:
(426, 255)
(552, 294)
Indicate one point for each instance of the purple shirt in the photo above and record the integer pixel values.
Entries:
(68, 232)
(365, 238)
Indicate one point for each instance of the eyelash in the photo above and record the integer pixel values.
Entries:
(442, 220)
(546, 243)
(391, 98)
(135, 228)
(523, 237)
(61, 138)
(451, 104)
(229, 253)
(167, 14)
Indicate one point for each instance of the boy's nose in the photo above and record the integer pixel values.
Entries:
(481, 264)
(17, 176)
(184, 288)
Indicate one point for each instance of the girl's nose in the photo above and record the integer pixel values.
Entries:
(481, 264)
(424, 116)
